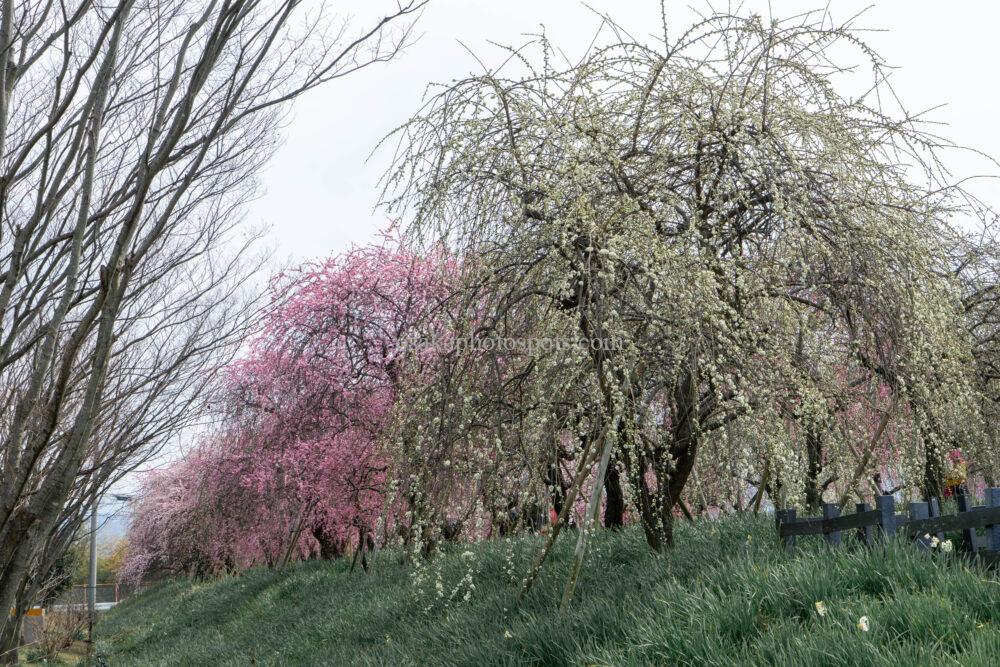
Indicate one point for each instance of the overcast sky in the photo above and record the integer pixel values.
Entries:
(320, 190)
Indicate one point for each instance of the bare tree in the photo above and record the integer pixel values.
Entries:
(130, 136)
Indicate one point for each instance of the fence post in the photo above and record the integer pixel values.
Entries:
(864, 532)
(920, 511)
(993, 531)
(831, 511)
(789, 518)
(969, 534)
(886, 506)
(935, 510)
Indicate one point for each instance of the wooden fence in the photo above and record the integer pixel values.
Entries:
(923, 523)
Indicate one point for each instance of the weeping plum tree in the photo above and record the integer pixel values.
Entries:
(752, 242)
(130, 134)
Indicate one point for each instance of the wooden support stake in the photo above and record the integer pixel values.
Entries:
(831, 511)
(865, 533)
(886, 506)
(920, 511)
(789, 517)
(993, 531)
(935, 511)
(969, 537)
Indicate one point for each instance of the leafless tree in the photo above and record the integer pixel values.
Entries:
(130, 136)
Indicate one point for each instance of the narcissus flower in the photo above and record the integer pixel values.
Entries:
(863, 624)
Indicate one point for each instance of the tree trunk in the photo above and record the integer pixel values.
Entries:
(557, 484)
(814, 453)
(672, 466)
(614, 508)
(933, 474)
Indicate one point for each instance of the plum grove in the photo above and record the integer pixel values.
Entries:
(665, 279)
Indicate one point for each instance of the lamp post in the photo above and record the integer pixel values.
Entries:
(92, 578)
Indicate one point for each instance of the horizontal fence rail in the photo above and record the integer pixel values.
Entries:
(923, 523)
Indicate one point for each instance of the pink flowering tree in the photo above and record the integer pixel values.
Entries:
(297, 468)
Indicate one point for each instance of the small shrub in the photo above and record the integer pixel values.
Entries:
(61, 630)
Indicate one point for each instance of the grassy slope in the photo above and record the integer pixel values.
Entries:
(727, 595)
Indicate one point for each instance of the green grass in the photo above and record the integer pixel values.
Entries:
(727, 595)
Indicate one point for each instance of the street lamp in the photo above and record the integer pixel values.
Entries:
(92, 579)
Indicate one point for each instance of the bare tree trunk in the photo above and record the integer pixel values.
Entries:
(614, 508)
(933, 483)
(814, 463)
(673, 466)
(590, 516)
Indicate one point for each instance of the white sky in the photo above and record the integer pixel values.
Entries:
(320, 191)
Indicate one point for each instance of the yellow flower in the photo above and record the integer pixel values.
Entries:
(507, 635)
(863, 624)
(820, 607)
(957, 475)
